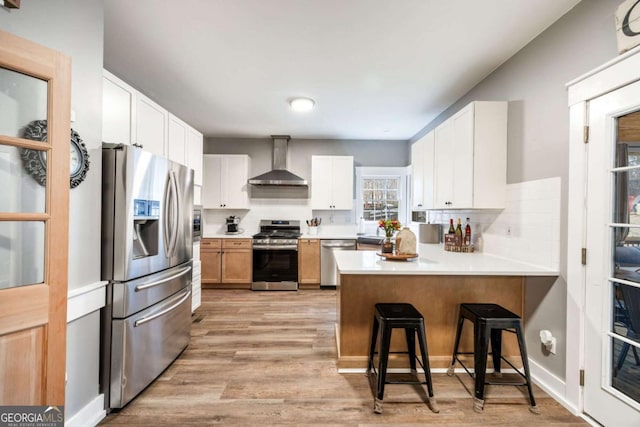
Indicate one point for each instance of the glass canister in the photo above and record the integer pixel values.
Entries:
(406, 242)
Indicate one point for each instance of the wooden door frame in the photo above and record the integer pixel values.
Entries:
(45, 304)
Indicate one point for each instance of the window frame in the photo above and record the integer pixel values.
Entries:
(384, 172)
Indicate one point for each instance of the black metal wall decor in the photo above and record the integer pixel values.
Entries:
(35, 161)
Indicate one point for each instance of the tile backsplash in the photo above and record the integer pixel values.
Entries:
(527, 230)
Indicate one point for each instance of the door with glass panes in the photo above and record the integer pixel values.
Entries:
(612, 288)
(34, 206)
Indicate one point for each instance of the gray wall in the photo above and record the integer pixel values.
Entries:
(533, 81)
(365, 153)
(75, 27)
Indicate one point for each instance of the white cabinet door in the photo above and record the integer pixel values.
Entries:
(422, 167)
(151, 125)
(332, 182)
(321, 182)
(177, 146)
(471, 158)
(235, 175)
(212, 182)
(118, 103)
(194, 154)
(225, 181)
(443, 166)
(342, 182)
(417, 174)
(463, 148)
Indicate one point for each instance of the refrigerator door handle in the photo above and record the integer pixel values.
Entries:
(166, 232)
(163, 280)
(144, 320)
(177, 218)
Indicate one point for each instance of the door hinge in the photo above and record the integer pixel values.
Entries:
(584, 256)
(582, 377)
(586, 134)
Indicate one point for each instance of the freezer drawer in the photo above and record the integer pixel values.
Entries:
(145, 344)
(135, 295)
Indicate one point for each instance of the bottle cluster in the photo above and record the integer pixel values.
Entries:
(457, 240)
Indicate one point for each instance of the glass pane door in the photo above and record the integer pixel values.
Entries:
(23, 102)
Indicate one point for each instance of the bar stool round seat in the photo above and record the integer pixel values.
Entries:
(489, 320)
(389, 316)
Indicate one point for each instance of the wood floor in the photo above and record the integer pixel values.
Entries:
(268, 359)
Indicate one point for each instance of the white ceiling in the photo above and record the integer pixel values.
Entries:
(377, 69)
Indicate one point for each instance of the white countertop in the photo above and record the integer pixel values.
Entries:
(434, 260)
(227, 236)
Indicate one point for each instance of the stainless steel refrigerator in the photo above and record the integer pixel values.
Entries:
(147, 216)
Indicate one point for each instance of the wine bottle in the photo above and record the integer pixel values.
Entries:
(451, 229)
(458, 234)
(467, 233)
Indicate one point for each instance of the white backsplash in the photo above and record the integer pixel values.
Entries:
(333, 222)
(527, 230)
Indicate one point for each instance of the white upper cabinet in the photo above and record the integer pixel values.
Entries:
(422, 169)
(152, 125)
(118, 105)
(194, 154)
(332, 182)
(177, 147)
(129, 117)
(470, 167)
(225, 181)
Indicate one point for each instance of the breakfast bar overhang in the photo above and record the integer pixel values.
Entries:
(435, 283)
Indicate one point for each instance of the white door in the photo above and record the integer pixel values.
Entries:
(612, 289)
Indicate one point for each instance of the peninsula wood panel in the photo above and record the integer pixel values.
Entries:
(436, 297)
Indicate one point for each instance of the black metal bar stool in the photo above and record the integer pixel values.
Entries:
(387, 317)
(489, 320)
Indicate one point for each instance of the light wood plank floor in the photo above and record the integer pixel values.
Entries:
(268, 359)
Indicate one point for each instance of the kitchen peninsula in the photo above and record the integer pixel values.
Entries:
(435, 283)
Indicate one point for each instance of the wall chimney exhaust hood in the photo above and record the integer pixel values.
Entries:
(279, 175)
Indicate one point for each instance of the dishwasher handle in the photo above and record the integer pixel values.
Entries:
(339, 245)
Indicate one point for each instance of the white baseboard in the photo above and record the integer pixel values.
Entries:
(552, 385)
(90, 415)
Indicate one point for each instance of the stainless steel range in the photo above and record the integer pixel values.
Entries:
(275, 256)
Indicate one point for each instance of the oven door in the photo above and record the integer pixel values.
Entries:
(275, 268)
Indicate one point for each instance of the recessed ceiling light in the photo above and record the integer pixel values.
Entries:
(302, 104)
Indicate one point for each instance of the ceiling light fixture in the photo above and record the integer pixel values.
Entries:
(302, 104)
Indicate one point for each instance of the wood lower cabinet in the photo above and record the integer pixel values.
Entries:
(210, 257)
(226, 263)
(309, 263)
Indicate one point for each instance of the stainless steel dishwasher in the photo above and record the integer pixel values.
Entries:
(328, 274)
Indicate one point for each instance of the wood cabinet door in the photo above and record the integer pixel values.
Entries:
(236, 266)
(34, 223)
(151, 125)
(342, 182)
(309, 261)
(210, 258)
